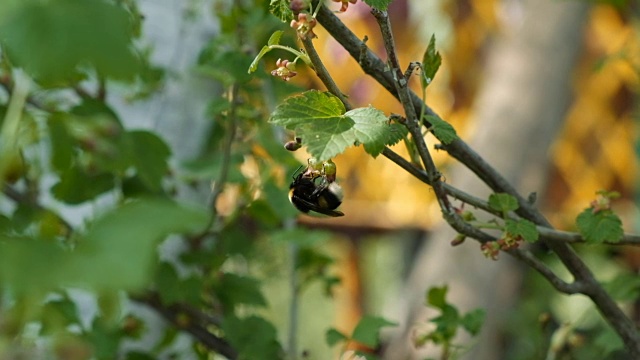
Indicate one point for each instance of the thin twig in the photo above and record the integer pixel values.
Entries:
(190, 322)
(20, 198)
(572, 237)
(323, 73)
(218, 185)
(527, 257)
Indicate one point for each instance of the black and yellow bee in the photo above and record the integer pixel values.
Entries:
(311, 191)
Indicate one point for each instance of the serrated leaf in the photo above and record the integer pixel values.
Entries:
(333, 336)
(325, 139)
(368, 329)
(442, 130)
(319, 119)
(395, 133)
(306, 107)
(381, 5)
(431, 61)
(371, 129)
(473, 320)
(502, 202)
(281, 9)
(522, 227)
(602, 226)
(436, 296)
(274, 39)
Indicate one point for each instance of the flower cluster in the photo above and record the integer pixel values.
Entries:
(286, 70)
(491, 249)
(603, 201)
(345, 4)
(304, 26)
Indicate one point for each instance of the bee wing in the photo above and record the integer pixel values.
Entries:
(314, 207)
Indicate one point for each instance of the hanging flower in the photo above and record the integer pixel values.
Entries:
(304, 26)
(345, 4)
(286, 70)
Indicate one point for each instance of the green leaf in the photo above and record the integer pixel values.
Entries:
(122, 243)
(281, 9)
(442, 130)
(502, 202)
(116, 253)
(473, 320)
(326, 139)
(446, 324)
(58, 314)
(608, 341)
(76, 186)
(149, 154)
(372, 129)
(312, 261)
(522, 227)
(253, 337)
(232, 290)
(368, 329)
(602, 226)
(104, 338)
(51, 39)
(274, 39)
(436, 296)
(333, 336)
(395, 133)
(173, 289)
(381, 5)
(61, 143)
(625, 287)
(307, 107)
(431, 61)
(319, 119)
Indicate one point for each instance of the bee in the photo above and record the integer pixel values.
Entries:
(312, 191)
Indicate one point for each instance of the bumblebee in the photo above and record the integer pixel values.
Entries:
(311, 191)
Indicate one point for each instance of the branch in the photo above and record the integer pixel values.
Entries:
(194, 324)
(218, 184)
(571, 237)
(28, 199)
(452, 218)
(527, 257)
(323, 73)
